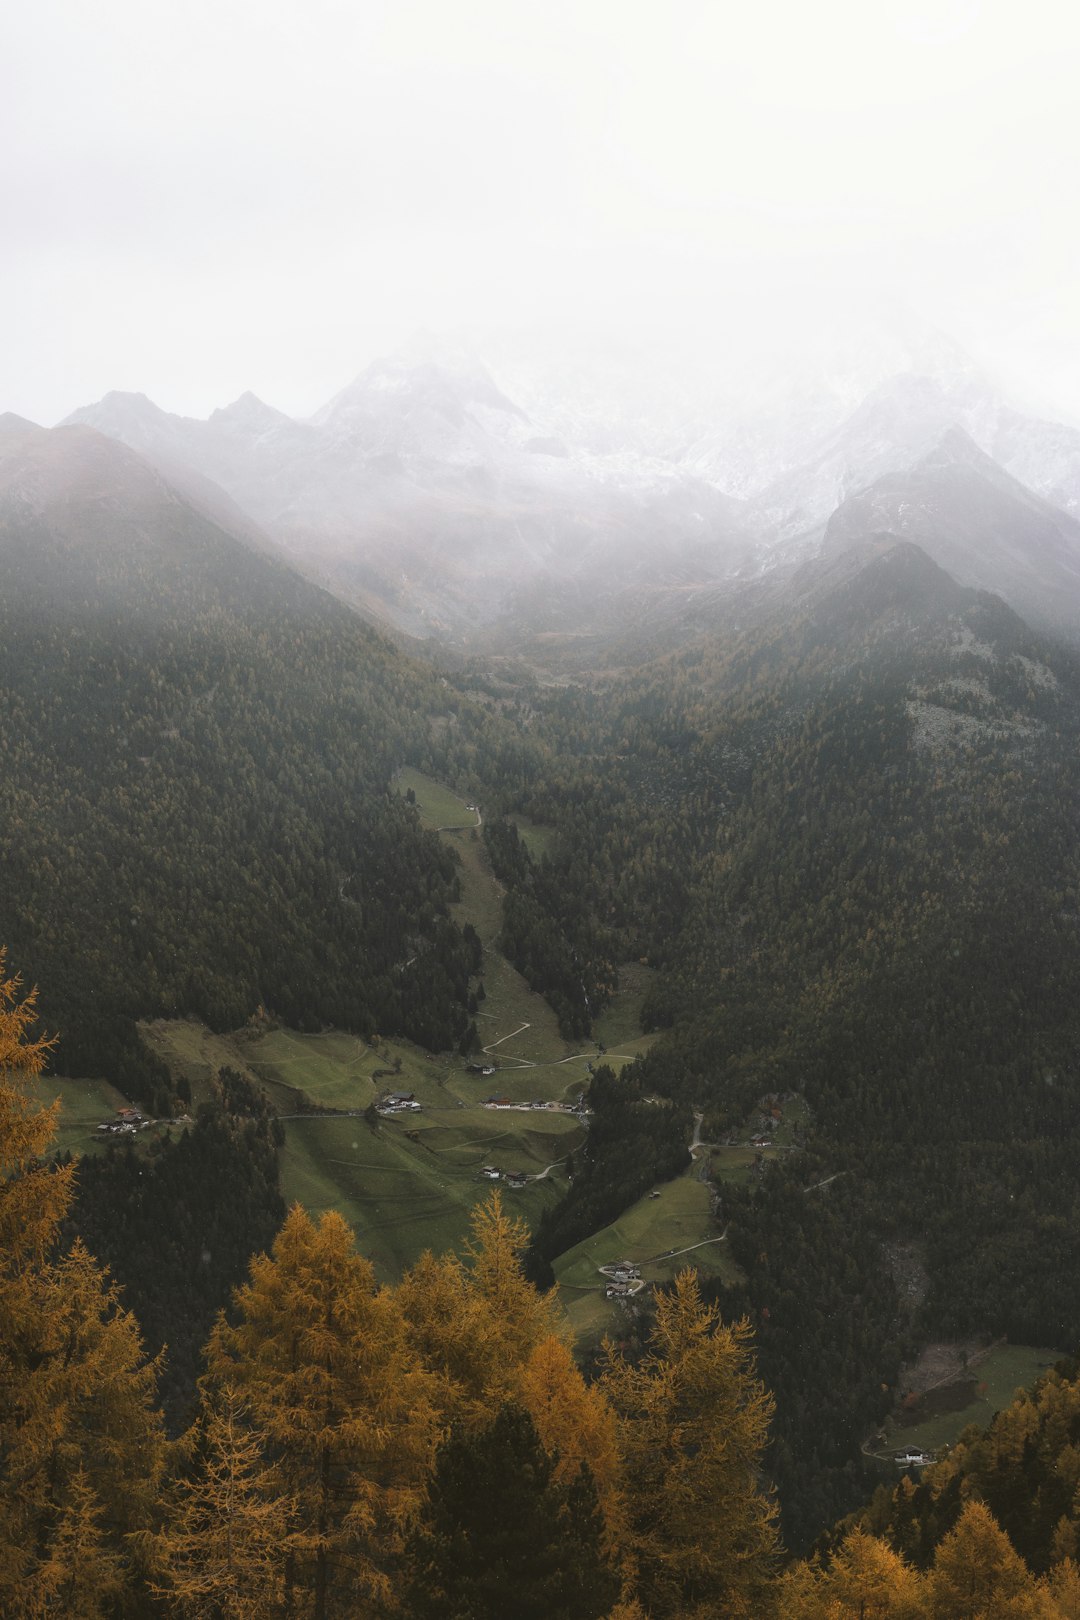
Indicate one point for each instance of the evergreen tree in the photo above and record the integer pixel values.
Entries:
(501, 1537)
(320, 1355)
(80, 1441)
(221, 1556)
(693, 1423)
(866, 1580)
(977, 1575)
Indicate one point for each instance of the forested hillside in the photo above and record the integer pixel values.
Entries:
(846, 836)
(194, 806)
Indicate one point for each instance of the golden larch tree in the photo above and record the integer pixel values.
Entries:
(693, 1422)
(221, 1555)
(80, 1440)
(320, 1354)
(978, 1575)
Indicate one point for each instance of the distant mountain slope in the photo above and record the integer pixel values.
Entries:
(426, 495)
(896, 425)
(194, 813)
(983, 526)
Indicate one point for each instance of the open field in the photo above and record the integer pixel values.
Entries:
(539, 840)
(679, 1219)
(621, 1019)
(409, 1182)
(438, 806)
(83, 1106)
(992, 1385)
(404, 1196)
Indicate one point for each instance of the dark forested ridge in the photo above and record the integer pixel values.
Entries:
(198, 748)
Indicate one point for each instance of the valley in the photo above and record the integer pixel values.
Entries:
(779, 868)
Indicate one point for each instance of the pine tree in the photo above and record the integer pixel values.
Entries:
(221, 1556)
(320, 1355)
(474, 1325)
(977, 1575)
(33, 1197)
(693, 1422)
(501, 1537)
(80, 1441)
(79, 1576)
(866, 1580)
(575, 1424)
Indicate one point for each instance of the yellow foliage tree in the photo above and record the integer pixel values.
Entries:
(692, 1424)
(978, 1575)
(475, 1323)
(320, 1355)
(1062, 1587)
(222, 1555)
(866, 1580)
(80, 1441)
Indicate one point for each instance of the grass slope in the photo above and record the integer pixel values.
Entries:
(994, 1381)
(84, 1104)
(679, 1220)
(410, 1182)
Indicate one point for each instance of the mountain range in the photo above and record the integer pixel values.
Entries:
(424, 494)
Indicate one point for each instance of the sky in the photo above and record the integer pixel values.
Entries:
(202, 198)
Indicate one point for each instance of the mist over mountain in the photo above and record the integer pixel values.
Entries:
(980, 524)
(539, 498)
(198, 744)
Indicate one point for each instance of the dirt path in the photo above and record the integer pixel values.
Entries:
(530, 1063)
(673, 1254)
(826, 1182)
(546, 1171)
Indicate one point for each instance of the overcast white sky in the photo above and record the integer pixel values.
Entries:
(202, 197)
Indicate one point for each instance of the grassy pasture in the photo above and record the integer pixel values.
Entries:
(84, 1104)
(438, 806)
(679, 1219)
(994, 1381)
(405, 1196)
(410, 1182)
(538, 839)
(620, 1020)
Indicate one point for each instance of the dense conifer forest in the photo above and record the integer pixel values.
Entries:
(195, 809)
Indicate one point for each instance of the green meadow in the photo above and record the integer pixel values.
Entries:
(410, 1181)
(661, 1234)
(995, 1379)
(84, 1105)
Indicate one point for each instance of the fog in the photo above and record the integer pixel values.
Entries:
(204, 198)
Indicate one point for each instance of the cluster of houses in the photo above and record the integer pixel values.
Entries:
(398, 1102)
(578, 1108)
(513, 1178)
(911, 1457)
(622, 1280)
(126, 1123)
